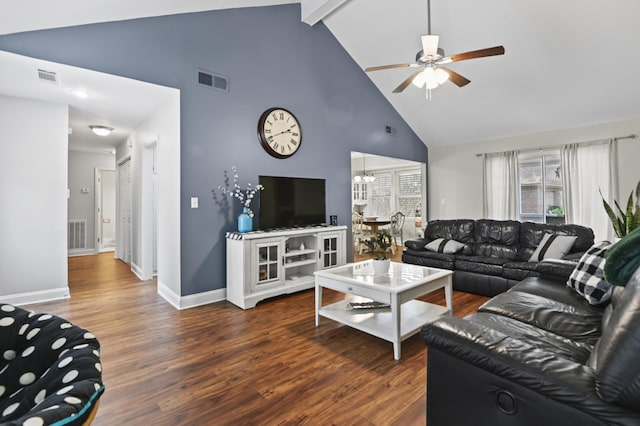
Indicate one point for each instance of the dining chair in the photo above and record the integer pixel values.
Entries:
(359, 233)
(397, 222)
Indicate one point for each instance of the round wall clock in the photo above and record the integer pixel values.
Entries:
(279, 132)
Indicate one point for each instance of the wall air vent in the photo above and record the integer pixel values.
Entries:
(48, 76)
(212, 81)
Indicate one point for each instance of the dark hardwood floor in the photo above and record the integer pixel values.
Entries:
(220, 365)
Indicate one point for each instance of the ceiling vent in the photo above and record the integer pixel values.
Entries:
(212, 81)
(48, 76)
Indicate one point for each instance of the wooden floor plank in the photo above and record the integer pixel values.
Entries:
(220, 365)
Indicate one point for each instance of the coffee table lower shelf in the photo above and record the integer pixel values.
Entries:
(378, 322)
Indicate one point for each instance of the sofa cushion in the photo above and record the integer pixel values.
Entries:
(553, 247)
(480, 264)
(519, 270)
(587, 279)
(580, 322)
(461, 230)
(444, 245)
(502, 232)
(531, 234)
(497, 238)
(429, 258)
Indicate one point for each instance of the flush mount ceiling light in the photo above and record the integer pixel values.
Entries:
(82, 94)
(101, 130)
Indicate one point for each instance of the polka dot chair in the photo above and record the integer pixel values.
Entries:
(50, 371)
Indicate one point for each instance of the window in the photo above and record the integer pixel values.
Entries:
(409, 193)
(381, 195)
(398, 190)
(541, 191)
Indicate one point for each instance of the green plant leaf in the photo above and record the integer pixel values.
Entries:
(615, 221)
(630, 217)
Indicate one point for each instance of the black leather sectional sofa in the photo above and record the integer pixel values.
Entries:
(538, 354)
(496, 253)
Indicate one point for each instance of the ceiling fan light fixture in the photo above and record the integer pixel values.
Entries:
(101, 130)
(419, 80)
(430, 78)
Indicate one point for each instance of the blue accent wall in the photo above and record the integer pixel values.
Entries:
(272, 59)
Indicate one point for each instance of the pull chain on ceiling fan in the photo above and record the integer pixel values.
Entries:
(431, 60)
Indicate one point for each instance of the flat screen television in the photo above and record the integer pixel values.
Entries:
(291, 202)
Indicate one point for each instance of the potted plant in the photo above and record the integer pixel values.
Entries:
(380, 245)
(628, 219)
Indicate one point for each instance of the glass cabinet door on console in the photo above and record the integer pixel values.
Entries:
(331, 253)
(268, 255)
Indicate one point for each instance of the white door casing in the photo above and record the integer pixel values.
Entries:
(124, 228)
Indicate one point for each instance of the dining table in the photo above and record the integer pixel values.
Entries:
(375, 224)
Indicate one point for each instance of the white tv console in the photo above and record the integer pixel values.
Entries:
(263, 264)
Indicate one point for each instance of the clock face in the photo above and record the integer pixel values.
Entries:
(279, 132)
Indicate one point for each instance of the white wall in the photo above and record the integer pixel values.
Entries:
(455, 173)
(163, 125)
(33, 196)
(82, 167)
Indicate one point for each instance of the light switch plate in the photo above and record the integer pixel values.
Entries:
(194, 202)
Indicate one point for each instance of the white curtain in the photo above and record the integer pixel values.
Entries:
(586, 170)
(501, 186)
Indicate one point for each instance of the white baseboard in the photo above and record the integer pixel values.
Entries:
(137, 270)
(192, 300)
(81, 252)
(36, 296)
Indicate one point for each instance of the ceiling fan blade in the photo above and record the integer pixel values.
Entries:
(430, 45)
(407, 82)
(491, 51)
(386, 67)
(456, 78)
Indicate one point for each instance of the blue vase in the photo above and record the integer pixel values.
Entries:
(245, 222)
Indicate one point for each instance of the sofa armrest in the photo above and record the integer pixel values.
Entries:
(556, 269)
(416, 243)
(521, 362)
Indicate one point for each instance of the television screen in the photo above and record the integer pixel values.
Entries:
(289, 202)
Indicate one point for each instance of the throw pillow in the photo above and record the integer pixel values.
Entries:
(587, 279)
(553, 247)
(444, 245)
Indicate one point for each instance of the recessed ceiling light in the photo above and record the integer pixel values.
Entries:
(101, 130)
(80, 93)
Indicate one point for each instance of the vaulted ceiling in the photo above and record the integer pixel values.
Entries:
(567, 64)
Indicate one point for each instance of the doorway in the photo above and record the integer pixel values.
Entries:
(382, 186)
(149, 209)
(105, 190)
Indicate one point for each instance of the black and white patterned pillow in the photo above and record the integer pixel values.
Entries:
(444, 245)
(587, 279)
(553, 247)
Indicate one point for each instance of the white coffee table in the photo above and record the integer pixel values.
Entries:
(399, 288)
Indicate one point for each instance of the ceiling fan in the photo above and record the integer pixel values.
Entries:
(431, 59)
